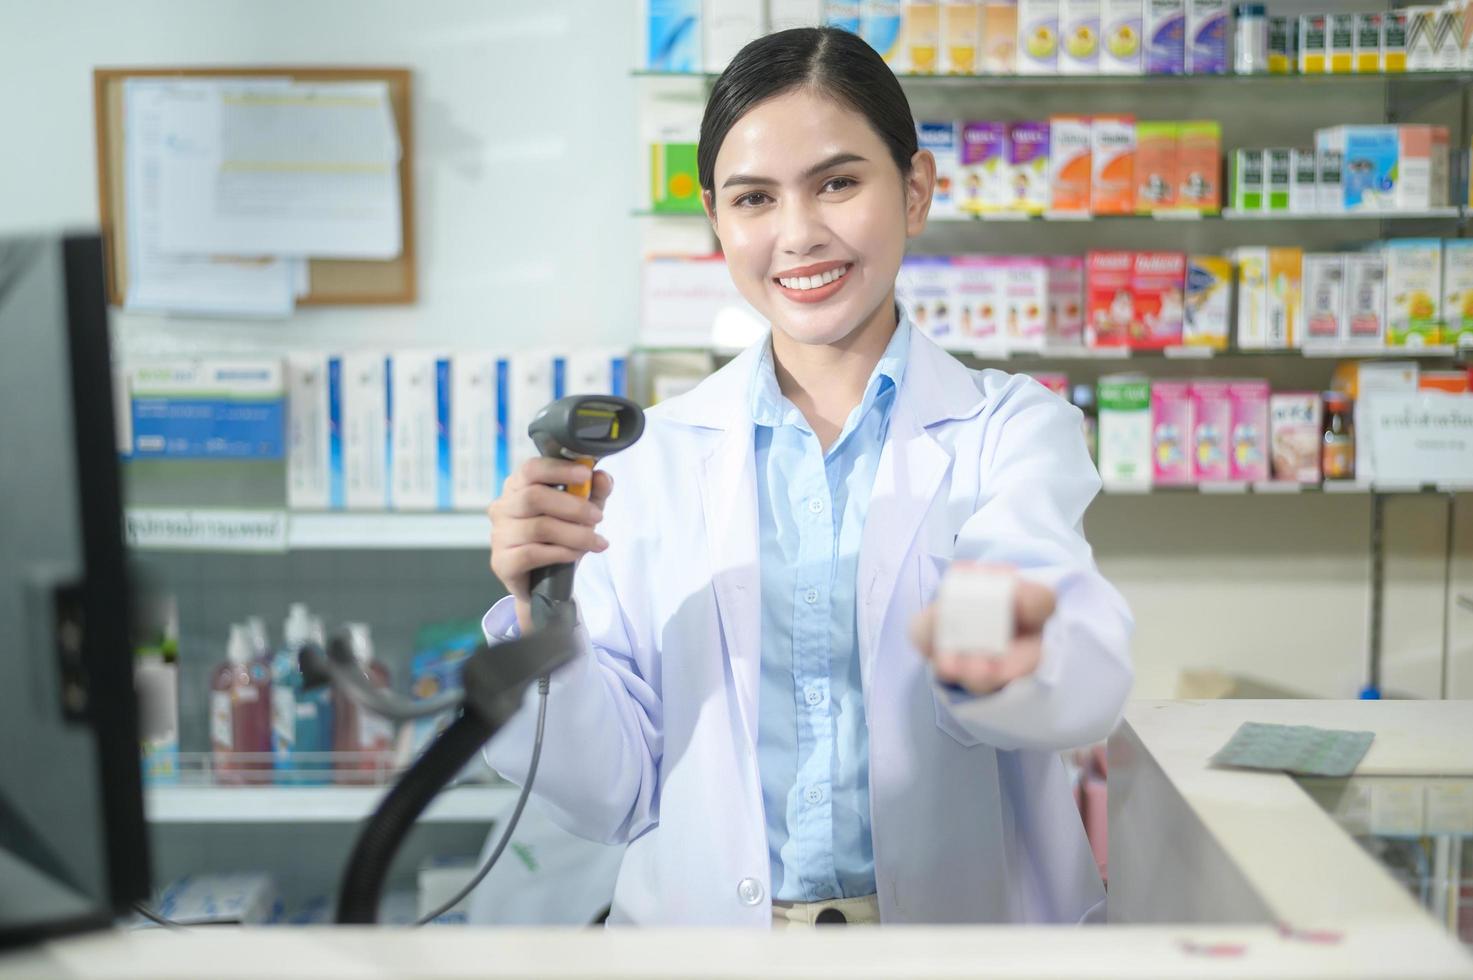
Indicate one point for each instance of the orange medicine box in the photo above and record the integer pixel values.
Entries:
(1199, 166)
(1155, 167)
(1112, 165)
(1069, 163)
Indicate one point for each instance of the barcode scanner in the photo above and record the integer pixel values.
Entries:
(583, 429)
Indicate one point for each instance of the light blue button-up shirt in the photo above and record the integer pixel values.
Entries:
(813, 741)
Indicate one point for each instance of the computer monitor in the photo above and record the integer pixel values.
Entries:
(73, 843)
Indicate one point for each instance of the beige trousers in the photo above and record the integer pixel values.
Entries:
(797, 915)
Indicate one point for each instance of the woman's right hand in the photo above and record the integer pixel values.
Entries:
(535, 524)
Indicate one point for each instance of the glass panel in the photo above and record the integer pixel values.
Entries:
(1420, 829)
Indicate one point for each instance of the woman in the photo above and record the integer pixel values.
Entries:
(750, 713)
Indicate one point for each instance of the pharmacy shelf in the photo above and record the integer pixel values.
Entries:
(312, 804)
(1276, 488)
(1205, 353)
(1365, 79)
(1160, 217)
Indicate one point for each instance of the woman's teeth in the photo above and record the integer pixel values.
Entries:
(813, 282)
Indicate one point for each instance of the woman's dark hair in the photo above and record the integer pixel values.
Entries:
(834, 62)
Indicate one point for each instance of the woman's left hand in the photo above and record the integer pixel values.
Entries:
(980, 673)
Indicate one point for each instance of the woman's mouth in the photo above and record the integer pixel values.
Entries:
(816, 287)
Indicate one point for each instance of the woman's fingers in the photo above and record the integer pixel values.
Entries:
(980, 674)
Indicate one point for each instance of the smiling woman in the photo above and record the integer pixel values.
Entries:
(813, 181)
(764, 712)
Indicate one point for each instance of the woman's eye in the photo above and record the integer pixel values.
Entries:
(838, 184)
(751, 200)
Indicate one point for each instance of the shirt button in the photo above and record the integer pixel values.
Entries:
(813, 696)
(815, 505)
(750, 891)
(814, 795)
(811, 596)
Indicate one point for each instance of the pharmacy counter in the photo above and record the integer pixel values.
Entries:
(1214, 873)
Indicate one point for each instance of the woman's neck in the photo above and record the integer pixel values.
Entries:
(826, 381)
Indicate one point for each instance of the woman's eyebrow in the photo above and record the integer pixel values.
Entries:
(837, 160)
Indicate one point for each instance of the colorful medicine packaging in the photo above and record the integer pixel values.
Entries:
(984, 166)
(927, 287)
(1156, 176)
(1157, 284)
(1025, 302)
(1294, 436)
(1070, 157)
(1249, 435)
(1028, 166)
(1209, 289)
(1121, 31)
(1198, 165)
(1171, 433)
(1038, 37)
(1413, 291)
(1000, 37)
(1079, 37)
(1165, 34)
(977, 282)
(1457, 292)
(941, 138)
(1112, 164)
(1212, 419)
(1324, 301)
(1207, 29)
(1365, 299)
(1066, 300)
(961, 38)
(1109, 301)
(1125, 432)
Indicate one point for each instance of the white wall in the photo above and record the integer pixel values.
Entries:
(525, 153)
(527, 166)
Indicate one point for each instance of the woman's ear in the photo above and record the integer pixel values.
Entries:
(920, 184)
(708, 204)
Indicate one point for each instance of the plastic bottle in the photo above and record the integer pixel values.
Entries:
(301, 719)
(366, 737)
(240, 712)
(156, 679)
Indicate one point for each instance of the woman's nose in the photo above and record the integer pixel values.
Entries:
(800, 227)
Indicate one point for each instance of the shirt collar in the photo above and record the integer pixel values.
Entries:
(769, 406)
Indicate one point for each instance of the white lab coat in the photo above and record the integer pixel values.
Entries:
(652, 730)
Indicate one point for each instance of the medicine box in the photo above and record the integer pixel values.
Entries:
(1125, 432)
(1285, 294)
(1207, 37)
(1413, 292)
(1329, 151)
(1156, 177)
(419, 431)
(1342, 43)
(1109, 302)
(941, 138)
(1171, 433)
(1212, 419)
(1028, 166)
(1422, 162)
(1457, 292)
(307, 466)
(1248, 441)
(1079, 37)
(1069, 164)
(1314, 50)
(1158, 280)
(1368, 42)
(1370, 170)
(961, 38)
(1294, 436)
(1066, 300)
(1121, 27)
(1324, 300)
(209, 409)
(365, 427)
(1000, 37)
(673, 35)
(923, 32)
(977, 285)
(727, 26)
(1025, 302)
(479, 462)
(1199, 165)
(1112, 164)
(880, 26)
(1252, 315)
(1209, 290)
(984, 167)
(1304, 173)
(1278, 179)
(1248, 179)
(928, 291)
(1038, 37)
(1365, 300)
(1394, 41)
(1165, 34)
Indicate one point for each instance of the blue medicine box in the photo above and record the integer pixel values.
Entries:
(208, 410)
